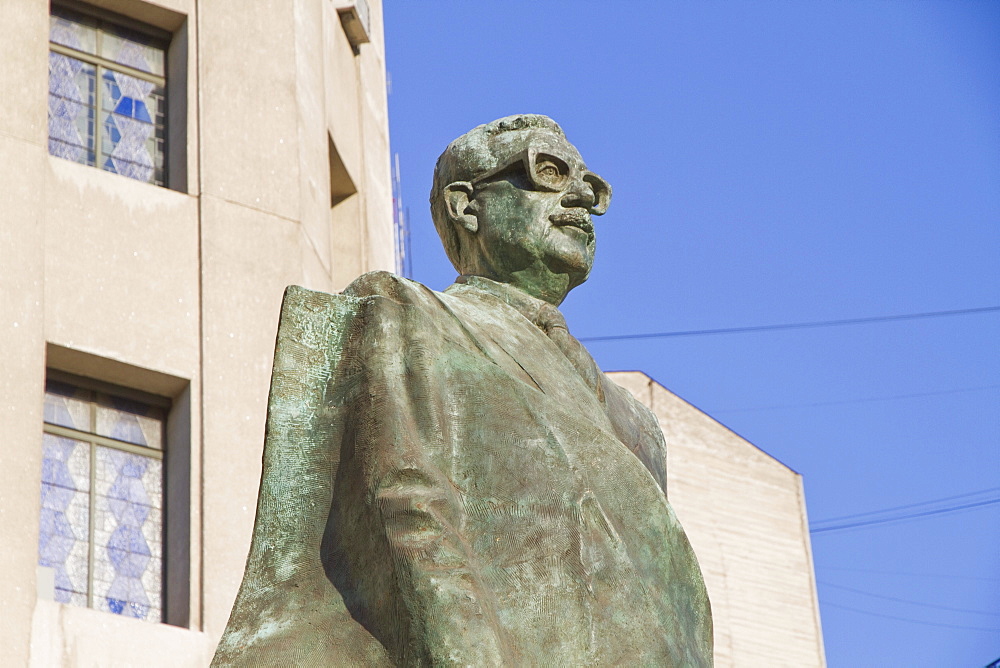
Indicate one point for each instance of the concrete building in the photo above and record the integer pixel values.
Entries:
(745, 514)
(268, 130)
(168, 167)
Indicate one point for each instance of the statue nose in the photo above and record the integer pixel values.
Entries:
(580, 194)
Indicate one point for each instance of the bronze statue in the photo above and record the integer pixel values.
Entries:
(448, 478)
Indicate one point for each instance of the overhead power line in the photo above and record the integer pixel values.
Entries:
(906, 506)
(865, 400)
(910, 516)
(947, 576)
(907, 601)
(792, 325)
(912, 621)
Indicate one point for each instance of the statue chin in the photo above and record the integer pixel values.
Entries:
(576, 267)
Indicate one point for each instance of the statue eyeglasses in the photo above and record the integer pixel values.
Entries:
(550, 173)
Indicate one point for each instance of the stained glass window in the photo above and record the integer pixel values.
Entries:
(102, 500)
(107, 95)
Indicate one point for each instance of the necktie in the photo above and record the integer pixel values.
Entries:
(552, 322)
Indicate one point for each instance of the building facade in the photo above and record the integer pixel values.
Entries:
(169, 167)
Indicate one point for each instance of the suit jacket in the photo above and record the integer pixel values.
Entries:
(442, 486)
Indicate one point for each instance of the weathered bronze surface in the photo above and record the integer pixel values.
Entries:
(448, 478)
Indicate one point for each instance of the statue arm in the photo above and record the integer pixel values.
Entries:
(637, 427)
(422, 581)
(287, 611)
(449, 611)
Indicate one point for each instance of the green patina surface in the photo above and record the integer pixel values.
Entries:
(448, 479)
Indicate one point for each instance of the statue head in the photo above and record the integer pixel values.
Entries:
(512, 201)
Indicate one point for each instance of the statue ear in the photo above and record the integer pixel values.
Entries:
(458, 198)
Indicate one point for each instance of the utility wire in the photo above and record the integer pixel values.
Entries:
(907, 601)
(905, 574)
(855, 401)
(926, 513)
(792, 325)
(912, 621)
(907, 506)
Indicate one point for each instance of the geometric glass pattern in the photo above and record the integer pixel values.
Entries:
(65, 530)
(107, 96)
(128, 521)
(101, 528)
(129, 421)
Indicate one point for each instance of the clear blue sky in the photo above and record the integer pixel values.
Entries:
(778, 162)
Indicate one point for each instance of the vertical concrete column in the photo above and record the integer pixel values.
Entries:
(313, 142)
(23, 133)
(380, 251)
(251, 248)
(348, 237)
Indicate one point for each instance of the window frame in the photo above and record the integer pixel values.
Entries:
(160, 39)
(98, 389)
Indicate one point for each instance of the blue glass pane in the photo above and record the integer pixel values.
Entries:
(133, 111)
(64, 523)
(72, 85)
(128, 529)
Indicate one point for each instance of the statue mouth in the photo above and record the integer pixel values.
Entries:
(578, 218)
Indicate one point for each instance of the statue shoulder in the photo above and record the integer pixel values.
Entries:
(389, 285)
(380, 303)
(300, 302)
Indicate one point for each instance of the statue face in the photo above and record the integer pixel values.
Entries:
(534, 211)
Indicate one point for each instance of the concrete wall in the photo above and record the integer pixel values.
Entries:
(745, 515)
(176, 291)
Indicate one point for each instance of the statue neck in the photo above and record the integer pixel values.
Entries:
(544, 285)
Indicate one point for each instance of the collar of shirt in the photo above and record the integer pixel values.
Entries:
(530, 307)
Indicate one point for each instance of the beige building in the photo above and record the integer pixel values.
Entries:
(168, 167)
(745, 514)
(154, 307)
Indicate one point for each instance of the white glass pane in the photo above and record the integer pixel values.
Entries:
(67, 406)
(132, 49)
(73, 30)
(72, 113)
(130, 421)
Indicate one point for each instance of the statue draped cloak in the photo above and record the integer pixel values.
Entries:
(441, 486)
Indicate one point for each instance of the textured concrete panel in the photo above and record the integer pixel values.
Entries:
(121, 263)
(165, 14)
(315, 274)
(375, 124)
(348, 239)
(106, 276)
(340, 68)
(26, 84)
(314, 175)
(22, 333)
(83, 638)
(249, 131)
(249, 258)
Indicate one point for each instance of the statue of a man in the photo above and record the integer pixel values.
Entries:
(448, 478)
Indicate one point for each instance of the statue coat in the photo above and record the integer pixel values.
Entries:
(441, 486)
